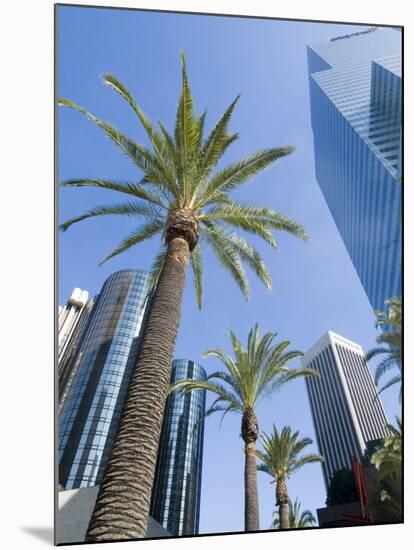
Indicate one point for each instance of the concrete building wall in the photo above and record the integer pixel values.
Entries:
(74, 512)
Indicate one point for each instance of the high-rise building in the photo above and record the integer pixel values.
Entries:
(345, 409)
(176, 492)
(72, 322)
(356, 108)
(90, 412)
(100, 358)
(69, 317)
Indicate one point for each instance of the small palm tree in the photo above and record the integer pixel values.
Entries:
(389, 343)
(181, 199)
(255, 373)
(280, 458)
(297, 518)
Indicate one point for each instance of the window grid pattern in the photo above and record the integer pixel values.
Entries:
(355, 96)
(176, 492)
(345, 413)
(90, 413)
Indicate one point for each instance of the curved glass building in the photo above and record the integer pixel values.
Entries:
(91, 410)
(177, 485)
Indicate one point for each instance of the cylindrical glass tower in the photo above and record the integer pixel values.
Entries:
(177, 485)
(90, 413)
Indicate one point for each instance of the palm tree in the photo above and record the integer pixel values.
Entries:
(388, 462)
(297, 518)
(280, 458)
(389, 343)
(255, 373)
(181, 199)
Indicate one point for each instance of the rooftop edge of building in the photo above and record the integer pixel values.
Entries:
(202, 369)
(329, 337)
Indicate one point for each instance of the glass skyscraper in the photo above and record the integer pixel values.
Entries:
(356, 107)
(346, 414)
(177, 485)
(90, 412)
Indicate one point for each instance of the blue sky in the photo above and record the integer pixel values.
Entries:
(315, 287)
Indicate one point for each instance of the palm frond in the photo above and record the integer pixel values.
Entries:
(139, 235)
(232, 213)
(133, 189)
(140, 156)
(242, 171)
(156, 141)
(156, 268)
(230, 261)
(246, 252)
(129, 208)
(197, 267)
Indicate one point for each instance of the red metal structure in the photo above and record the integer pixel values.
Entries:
(361, 476)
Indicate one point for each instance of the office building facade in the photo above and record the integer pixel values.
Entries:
(72, 322)
(356, 111)
(176, 492)
(345, 412)
(69, 317)
(90, 412)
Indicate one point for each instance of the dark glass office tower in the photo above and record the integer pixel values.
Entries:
(177, 485)
(90, 412)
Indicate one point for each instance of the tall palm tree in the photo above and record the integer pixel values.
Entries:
(389, 343)
(297, 518)
(180, 198)
(254, 373)
(280, 458)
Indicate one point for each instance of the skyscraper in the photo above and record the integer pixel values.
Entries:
(356, 98)
(346, 414)
(177, 485)
(90, 412)
(72, 323)
(69, 317)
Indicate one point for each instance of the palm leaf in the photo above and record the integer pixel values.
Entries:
(141, 234)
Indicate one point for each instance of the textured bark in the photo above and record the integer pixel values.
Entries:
(282, 499)
(182, 223)
(122, 507)
(250, 432)
(284, 516)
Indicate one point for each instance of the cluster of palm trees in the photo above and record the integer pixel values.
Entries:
(182, 199)
(256, 372)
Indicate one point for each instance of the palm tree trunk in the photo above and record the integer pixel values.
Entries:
(284, 516)
(123, 502)
(282, 499)
(251, 499)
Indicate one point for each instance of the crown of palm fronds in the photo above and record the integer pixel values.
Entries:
(389, 342)
(297, 518)
(254, 373)
(281, 450)
(177, 173)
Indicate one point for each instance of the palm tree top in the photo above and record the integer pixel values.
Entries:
(281, 453)
(254, 373)
(179, 192)
(297, 517)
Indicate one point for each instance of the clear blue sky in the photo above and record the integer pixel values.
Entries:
(315, 287)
